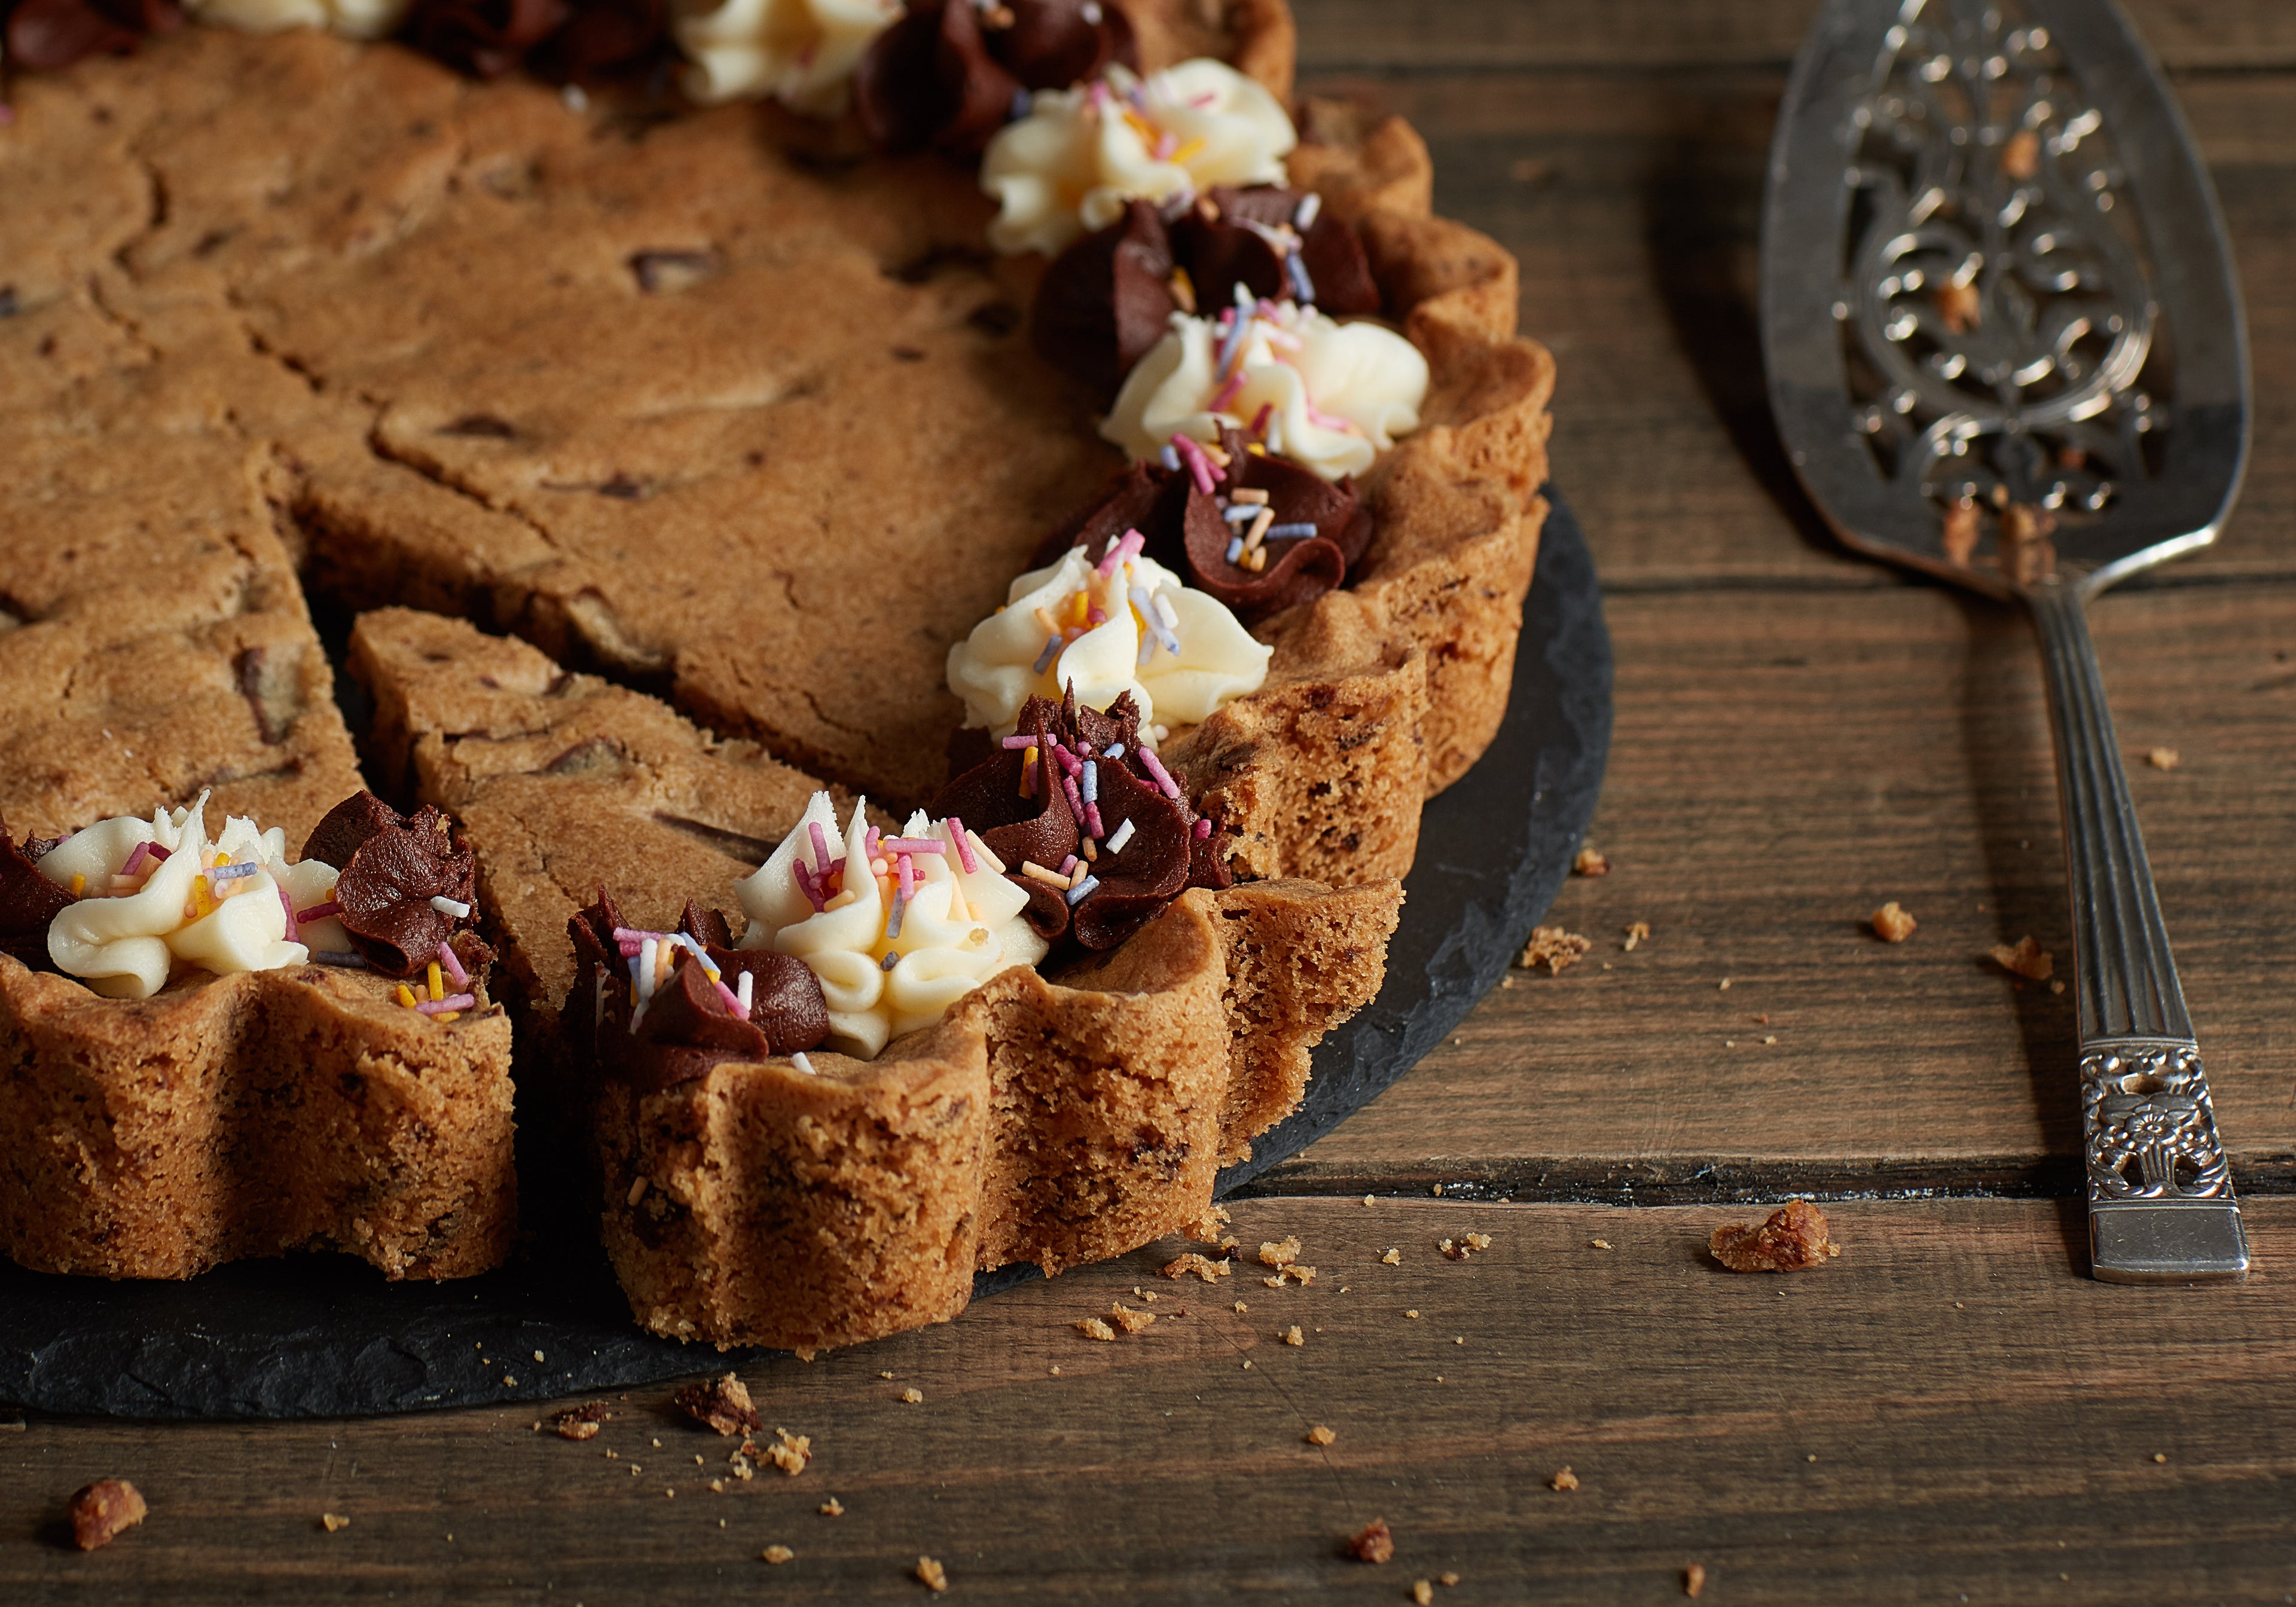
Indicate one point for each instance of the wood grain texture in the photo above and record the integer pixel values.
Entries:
(1950, 1406)
(1784, 762)
(1528, 36)
(1633, 200)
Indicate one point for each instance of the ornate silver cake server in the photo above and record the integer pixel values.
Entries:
(2006, 347)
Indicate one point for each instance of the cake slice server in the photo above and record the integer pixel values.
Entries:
(2005, 347)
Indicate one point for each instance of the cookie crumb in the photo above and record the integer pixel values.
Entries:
(582, 1422)
(1393, 1257)
(1693, 1579)
(1636, 936)
(100, 1511)
(1320, 1435)
(2027, 959)
(832, 1508)
(1275, 1253)
(1554, 947)
(1598, 1243)
(1422, 1591)
(1374, 1543)
(1093, 1328)
(1203, 1266)
(1293, 1336)
(1453, 1251)
(1791, 1240)
(1129, 1320)
(723, 1404)
(1591, 862)
(789, 1452)
(1892, 924)
(778, 1555)
(332, 1521)
(1446, 1579)
(932, 1575)
(1564, 1480)
(1413, 1314)
(1478, 1241)
(913, 1396)
(2160, 1455)
(2163, 759)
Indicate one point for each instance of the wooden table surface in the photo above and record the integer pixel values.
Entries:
(1952, 1411)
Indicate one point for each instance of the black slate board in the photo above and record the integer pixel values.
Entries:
(324, 1336)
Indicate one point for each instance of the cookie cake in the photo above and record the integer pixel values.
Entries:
(854, 605)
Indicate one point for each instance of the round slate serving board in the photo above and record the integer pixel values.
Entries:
(324, 1336)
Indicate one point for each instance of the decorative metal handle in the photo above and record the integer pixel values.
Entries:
(2160, 1203)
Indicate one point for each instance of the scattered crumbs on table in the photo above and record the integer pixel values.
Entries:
(333, 1523)
(100, 1511)
(537, 1356)
(1447, 1577)
(1422, 1591)
(1056, 1369)
(1368, 1200)
(2160, 1455)
(720, 1404)
(1374, 1542)
(789, 1452)
(1591, 862)
(913, 1396)
(1293, 1336)
(1093, 1328)
(1564, 1480)
(2163, 759)
(932, 1575)
(1240, 1308)
(1598, 1243)
(832, 1508)
(1892, 924)
(1554, 946)
(1724, 985)
(1693, 1579)
(1411, 1314)
(1276, 1252)
(1811, 1457)
(1772, 1038)
(2027, 959)
(509, 1382)
(1638, 935)
(776, 1554)
(1393, 1257)
(1793, 1238)
(1320, 1435)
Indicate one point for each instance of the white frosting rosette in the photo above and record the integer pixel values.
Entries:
(1070, 166)
(1337, 394)
(123, 944)
(800, 51)
(352, 18)
(888, 964)
(1177, 669)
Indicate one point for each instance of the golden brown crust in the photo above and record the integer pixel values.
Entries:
(1057, 1122)
(251, 1115)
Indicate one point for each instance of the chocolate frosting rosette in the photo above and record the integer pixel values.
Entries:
(46, 34)
(662, 1008)
(950, 73)
(1108, 299)
(1312, 532)
(1074, 781)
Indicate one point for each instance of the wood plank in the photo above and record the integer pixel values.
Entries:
(1782, 764)
(1633, 202)
(1536, 36)
(1949, 1408)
